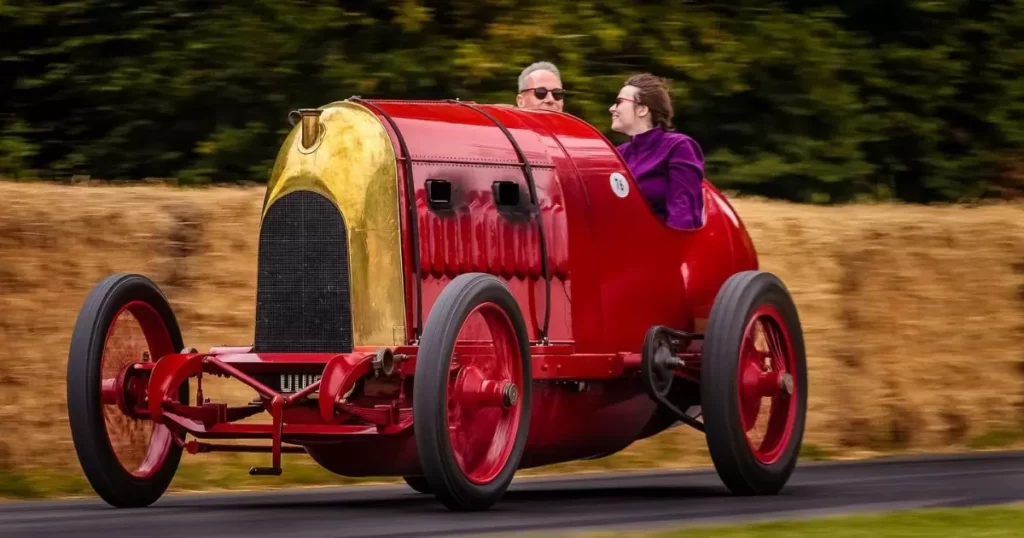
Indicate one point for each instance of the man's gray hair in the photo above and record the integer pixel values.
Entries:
(537, 66)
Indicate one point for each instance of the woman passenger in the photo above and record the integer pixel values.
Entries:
(668, 166)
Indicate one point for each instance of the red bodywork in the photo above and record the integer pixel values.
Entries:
(616, 271)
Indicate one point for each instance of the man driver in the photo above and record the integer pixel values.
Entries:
(540, 87)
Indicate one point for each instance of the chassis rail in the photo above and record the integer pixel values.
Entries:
(299, 418)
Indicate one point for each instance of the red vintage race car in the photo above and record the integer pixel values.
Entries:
(450, 292)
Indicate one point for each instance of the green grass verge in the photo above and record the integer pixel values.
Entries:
(996, 439)
(988, 522)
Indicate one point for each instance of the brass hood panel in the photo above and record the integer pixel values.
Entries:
(349, 158)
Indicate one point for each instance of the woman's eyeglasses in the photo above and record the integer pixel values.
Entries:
(541, 93)
(620, 100)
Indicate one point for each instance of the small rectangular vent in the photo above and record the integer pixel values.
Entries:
(303, 294)
(506, 193)
(439, 193)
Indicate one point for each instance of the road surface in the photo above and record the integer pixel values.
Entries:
(626, 500)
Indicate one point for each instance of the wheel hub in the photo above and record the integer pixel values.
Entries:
(509, 395)
(126, 392)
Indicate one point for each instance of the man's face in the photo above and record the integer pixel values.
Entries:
(535, 81)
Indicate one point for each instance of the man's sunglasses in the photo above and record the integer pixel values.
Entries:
(541, 93)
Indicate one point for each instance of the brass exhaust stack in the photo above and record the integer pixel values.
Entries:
(311, 126)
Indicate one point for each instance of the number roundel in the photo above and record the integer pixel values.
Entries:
(619, 184)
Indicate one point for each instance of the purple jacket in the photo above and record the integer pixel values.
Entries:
(669, 168)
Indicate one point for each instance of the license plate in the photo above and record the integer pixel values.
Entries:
(291, 383)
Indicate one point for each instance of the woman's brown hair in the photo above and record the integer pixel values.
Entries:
(652, 92)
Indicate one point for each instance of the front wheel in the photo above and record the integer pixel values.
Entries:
(754, 384)
(125, 323)
(471, 395)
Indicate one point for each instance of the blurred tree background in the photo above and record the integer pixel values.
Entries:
(813, 101)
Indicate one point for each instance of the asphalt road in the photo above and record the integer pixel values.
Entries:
(635, 500)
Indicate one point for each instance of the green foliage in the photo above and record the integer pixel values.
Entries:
(807, 100)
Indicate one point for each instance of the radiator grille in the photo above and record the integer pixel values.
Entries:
(303, 300)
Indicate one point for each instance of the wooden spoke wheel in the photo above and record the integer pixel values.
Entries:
(471, 396)
(754, 384)
(125, 322)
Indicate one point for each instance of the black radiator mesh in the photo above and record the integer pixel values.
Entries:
(302, 294)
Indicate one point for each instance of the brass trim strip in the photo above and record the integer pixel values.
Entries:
(410, 189)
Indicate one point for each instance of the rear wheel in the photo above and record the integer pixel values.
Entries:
(471, 396)
(128, 459)
(754, 384)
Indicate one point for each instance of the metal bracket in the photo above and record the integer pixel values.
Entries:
(277, 412)
(657, 359)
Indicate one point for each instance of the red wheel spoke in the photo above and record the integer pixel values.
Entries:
(750, 401)
(778, 353)
(768, 385)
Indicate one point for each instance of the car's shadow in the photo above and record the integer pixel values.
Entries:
(407, 500)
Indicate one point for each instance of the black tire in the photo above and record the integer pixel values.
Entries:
(108, 477)
(418, 483)
(740, 297)
(430, 393)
